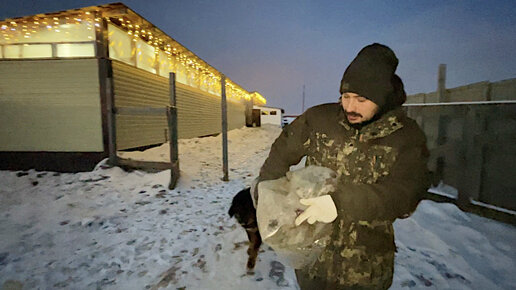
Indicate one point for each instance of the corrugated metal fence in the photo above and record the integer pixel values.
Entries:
(199, 113)
(472, 148)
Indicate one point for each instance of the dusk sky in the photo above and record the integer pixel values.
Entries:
(276, 47)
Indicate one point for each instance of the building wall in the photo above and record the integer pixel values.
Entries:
(135, 87)
(198, 112)
(50, 105)
(236, 115)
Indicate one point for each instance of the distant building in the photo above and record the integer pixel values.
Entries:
(287, 119)
(270, 115)
(62, 73)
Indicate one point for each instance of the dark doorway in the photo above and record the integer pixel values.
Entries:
(256, 118)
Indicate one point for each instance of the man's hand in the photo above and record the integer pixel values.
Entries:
(320, 209)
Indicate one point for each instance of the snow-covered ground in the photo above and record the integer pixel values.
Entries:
(111, 229)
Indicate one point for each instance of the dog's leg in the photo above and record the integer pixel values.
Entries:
(255, 240)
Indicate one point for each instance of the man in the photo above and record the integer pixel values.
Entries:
(380, 157)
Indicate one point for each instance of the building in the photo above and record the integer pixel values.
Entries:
(62, 74)
(287, 119)
(270, 115)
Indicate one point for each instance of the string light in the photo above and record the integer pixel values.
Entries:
(180, 59)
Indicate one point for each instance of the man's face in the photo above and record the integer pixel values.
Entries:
(358, 109)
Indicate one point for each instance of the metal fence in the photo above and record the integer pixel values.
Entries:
(472, 148)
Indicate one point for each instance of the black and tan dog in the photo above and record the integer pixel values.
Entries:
(243, 210)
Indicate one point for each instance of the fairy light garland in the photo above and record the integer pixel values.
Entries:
(26, 29)
(204, 75)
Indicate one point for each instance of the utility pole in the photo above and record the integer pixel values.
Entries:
(224, 128)
(303, 107)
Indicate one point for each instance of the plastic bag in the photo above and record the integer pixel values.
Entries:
(278, 206)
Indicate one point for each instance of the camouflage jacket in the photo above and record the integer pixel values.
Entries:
(382, 176)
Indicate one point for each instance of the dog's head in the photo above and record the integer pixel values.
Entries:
(242, 208)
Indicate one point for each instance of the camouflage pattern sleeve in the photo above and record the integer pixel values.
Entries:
(287, 150)
(393, 196)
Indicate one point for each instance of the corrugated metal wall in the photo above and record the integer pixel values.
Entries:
(472, 148)
(134, 87)
(199, 113)
(50, 105)
(236, 115)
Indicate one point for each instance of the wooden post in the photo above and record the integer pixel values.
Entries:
(442, 124)
(106, 89)
(487, 92)
(111, 120)
(172, 129)
(101, 36)
(224, 129)
(441, 84)
(474, 146)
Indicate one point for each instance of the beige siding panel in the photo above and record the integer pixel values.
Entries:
(198, 112)
(137, 131)
(236, 115)
(134, 87)
(50, 105)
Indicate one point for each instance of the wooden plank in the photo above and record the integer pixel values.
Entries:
(111, 122)
(441, 83)
(471, 146)
(149, 166)
(101, 35)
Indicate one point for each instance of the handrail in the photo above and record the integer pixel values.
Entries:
(461, 103)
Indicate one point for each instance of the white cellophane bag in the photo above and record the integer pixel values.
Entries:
(278, 206)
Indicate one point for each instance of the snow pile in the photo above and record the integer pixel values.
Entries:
(112, 229)
(443, 247)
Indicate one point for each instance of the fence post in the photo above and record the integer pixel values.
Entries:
(474, 141)
(172, 129)
(441, 83)
(224, 129)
